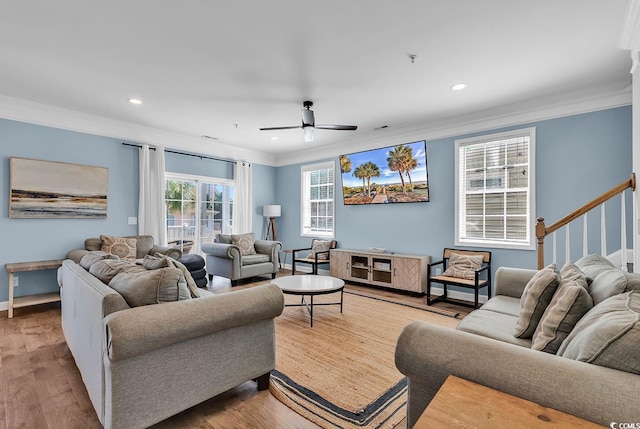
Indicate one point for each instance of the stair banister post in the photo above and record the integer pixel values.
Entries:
(585, 235)
(541, 231)
(603, 230)
(567, 244)
(623, 232)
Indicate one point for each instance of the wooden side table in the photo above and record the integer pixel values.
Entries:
(25, 301)
(286, 253)
(463, 404)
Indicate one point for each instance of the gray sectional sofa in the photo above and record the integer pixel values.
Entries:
(143, 364)
(595, 373)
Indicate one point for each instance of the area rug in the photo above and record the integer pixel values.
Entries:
(341, 373)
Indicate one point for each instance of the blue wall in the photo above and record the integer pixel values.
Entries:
(264, 193)
(577, 158)
(185, 164)
(42, 239)
(263, 180)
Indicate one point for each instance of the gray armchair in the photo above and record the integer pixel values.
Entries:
(225, 259)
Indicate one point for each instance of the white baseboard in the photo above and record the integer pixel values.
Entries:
(4, 305)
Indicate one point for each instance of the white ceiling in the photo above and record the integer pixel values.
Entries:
(203, 66)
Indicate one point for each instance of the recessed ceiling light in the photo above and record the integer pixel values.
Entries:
(135, 101)
(459, 86)
(273, 138)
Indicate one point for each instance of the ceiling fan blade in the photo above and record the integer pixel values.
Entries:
(337, 127)
(309, 123)
(281, 128)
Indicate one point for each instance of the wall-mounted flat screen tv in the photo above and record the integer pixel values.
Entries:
(394, 174)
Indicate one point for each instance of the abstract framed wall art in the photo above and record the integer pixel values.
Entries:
(48, 189)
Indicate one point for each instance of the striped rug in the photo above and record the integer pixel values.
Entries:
(341, 372)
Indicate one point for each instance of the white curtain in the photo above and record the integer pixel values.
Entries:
(151, 208)
(242, 208)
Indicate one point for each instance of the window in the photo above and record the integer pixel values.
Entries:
(317, 200)
(198, 208)
(495, 190)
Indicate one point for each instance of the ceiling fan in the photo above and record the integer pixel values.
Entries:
(309, 123)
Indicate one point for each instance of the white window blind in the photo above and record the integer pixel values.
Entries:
(317, 200)
(495, 190)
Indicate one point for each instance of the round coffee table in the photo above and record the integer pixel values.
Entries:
(310, 285)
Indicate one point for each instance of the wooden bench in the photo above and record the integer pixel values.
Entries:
(482, 276)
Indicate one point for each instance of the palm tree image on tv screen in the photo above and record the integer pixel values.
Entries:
(394, 174)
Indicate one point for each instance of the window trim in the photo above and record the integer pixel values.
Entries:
(311, 167)
(531, 133)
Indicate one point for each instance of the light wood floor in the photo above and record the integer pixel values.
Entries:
(42, 388)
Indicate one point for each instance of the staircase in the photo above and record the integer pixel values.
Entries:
(620, 258)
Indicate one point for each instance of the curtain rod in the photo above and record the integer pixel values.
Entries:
(185, 153)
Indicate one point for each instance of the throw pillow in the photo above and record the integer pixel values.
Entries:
(320, 246)
(151, 287)
(592, 265)
(463, 266)
(92, 257)
(191, 283)
(607, 284)
(570, 302)
(222, 238)
(245, 242)
(608, 334)
(119, 246)
(535, 299)
(633, 281)
(155, 262)
(106, 269)
(570, 271)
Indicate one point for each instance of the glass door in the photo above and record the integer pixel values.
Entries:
(197, 210)
(216, 205)
(180, 202)
(360, 267)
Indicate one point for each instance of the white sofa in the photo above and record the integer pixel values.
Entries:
(144, 364)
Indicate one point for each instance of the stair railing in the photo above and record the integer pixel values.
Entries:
(542, 231)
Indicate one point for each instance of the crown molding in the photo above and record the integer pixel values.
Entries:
(608, 96)
(630, 35)
(615, 94)
(41, 114)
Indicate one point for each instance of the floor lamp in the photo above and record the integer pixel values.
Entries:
(272, 212)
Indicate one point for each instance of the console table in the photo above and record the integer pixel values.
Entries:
(394, 270)
(25, 301)
(463, 404)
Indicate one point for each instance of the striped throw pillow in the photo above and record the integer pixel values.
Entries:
(535, 299)
(463, 266)
(570, 302)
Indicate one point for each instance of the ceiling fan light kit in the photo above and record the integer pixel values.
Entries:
(309, 123)
(307, 132)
